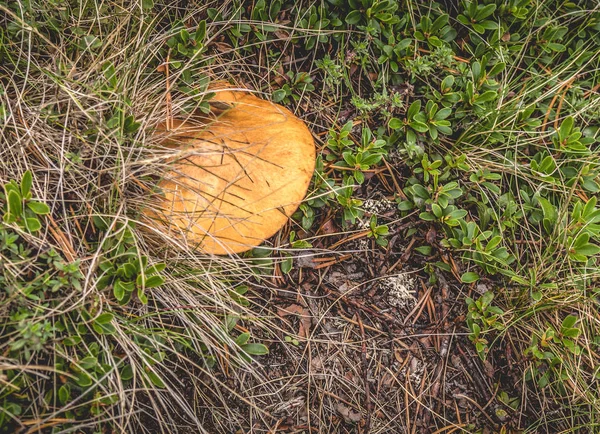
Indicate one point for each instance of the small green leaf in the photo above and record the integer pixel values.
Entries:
(119, 290)
(64, 394)
(100, 223)
(469, 277)
(447, 83)
(157, 268)
(423, 250)
(104, 318)
(39, 208)
(555, 46)
(15, 204)
(242, 339)
(33, 224)
(428, 217)
(83, 379)
(487, 96)
(143, 298)
(286, 265)
(581, 240)
(571, 333)
(405, 205)
(566, 127)
(26, 183)
(127, 373)
(353, 17)
(200, 31)
(588, 250)
(478, 28)
(155, 379)
(442, 114)
(443, 266)
(569, 322)
(88, 362)
(154, 281)
(419, 126)
(485, 12)
(255, 349)
(91, 42)
(104, 329)
(413, 109)
(496, 69)
(279, 95)
(230, 322)
(395, 123)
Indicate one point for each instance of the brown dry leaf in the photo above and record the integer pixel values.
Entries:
(279, 80)
(431, 236)
(349, 415)
(307, 260)
(398, 356)
(328, 228)
(282, 34)
(387, 380)
(222, 47)
(489, 369)
(303, 313)
(292, 309)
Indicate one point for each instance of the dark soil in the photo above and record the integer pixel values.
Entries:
(382, 348)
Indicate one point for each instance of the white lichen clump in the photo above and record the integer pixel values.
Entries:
(375, 206)
(400, 288)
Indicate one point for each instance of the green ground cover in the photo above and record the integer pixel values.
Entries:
(475, 123)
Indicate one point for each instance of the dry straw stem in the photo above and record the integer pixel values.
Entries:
(55, 125)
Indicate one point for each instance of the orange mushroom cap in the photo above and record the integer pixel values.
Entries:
(243, 176)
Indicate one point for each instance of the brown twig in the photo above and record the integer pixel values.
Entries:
(329, 261)
(482, 410)
(556, 96)
(356, 236)
(396, 184)
(365, 372)
(445, 343)
(566, 88)
(360, 305)
(164, 67)
(62, 240)
(476, 375)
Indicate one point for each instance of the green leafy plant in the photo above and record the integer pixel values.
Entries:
(350, 205)
(362, 158)
(435, 32)
(20, 208)
(288, 262)
(124, 268)
(477, 16)
(412, 124)
(482, 318)
(298, 84)
(372, 14)
(546, 351)
(378, 232)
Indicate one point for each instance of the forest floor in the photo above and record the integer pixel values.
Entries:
(441, 275)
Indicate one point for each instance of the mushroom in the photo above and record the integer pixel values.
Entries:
(243, 174)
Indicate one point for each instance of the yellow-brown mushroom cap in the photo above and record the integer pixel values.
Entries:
(243, 175)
